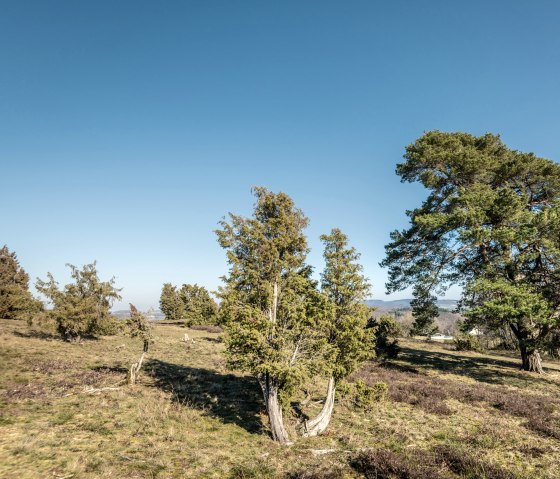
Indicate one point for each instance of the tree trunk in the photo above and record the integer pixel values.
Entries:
(270, 392)
(531, 360)
(273, 311)
(319, 424)
(135, 370)
(530, 357)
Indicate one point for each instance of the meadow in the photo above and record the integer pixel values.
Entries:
(67, 412)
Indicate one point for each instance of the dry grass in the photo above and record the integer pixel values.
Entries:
(65, 413)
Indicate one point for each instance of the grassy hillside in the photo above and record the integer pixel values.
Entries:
(64, 413)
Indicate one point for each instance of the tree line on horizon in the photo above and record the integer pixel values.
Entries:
(490, 223)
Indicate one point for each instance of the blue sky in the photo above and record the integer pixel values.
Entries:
(128, 129)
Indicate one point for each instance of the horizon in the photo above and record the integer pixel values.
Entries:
(130, 129)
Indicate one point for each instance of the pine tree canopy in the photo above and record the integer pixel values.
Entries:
(490, 223)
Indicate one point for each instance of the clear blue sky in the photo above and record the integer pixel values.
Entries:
(128, 129)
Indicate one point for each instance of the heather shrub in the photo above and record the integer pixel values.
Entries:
(469, 466)
(386, 464)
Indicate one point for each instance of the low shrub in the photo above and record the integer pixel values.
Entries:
(469, 466)
(467, 342)
(366, 396)
(386, 464)
(443, 462)
(252, 471)
(387, 331)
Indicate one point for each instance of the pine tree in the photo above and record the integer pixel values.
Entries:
(16, 302)
(490, 224)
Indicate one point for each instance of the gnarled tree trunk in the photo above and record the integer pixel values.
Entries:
(531, 360)
(530, 357)
(319, 424)
(135, 368)
(269, 387)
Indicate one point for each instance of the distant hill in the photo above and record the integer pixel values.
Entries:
(447, 304)
(152, 315)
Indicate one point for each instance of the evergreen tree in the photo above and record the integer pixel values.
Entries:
(349, 341)
(138, 327)
(490, 223)
(271, 309)
(387, 331)
(170, 303)
(424, 311)
(16, 302)
(81, 308)
(199, 306)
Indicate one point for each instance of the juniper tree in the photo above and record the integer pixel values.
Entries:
(81, 308)
(490, 223)
(271, 309)
(170, 303)
(348, 339)
(387, 331)
(16, 301)
(138, 327)
(199, 306)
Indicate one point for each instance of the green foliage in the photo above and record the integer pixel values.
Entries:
(16, 302)
(499, 302)
(552, 345)
(271, 309)
(467, 342)
(139, 327)
(81, 308)
(111, 326)
(424, 311)
(170, 303)
(359, 395)
(199, 306)
(387, 331)
(365, 396)
(491, 215)
(342, 281)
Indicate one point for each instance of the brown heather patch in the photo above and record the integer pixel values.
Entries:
(52, 366)
(411, 386)
(46, 388)
(443, 462)
(386, 464)
(468, 465)
(207, 327)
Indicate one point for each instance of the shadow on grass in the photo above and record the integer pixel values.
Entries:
(480, 368)
(36, 334)
(232, 399)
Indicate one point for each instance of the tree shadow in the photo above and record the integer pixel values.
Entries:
(36, 334)
(480, 368)
(232, 399)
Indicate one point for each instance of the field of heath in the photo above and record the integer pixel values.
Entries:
(67, 412)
